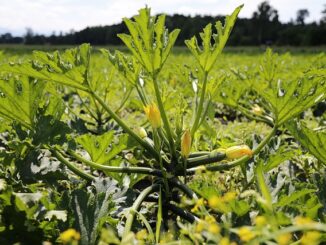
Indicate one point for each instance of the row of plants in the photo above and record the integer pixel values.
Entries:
(133, 153)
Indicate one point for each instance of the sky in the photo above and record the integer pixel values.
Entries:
(46, 16)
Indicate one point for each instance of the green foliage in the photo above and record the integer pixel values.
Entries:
(20, 98)
(288, 98)
(69, 68)
(149, 40)
(95, 208)
(206, 57)
(313, 140)
(68, 119)
(102, 148)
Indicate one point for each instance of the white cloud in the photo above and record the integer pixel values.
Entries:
(45, 16)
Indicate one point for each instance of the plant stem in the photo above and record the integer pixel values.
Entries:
(129, 170)
(164, 118)
(258, 118)
(182, 213)
(206, 159)
(143, 143)
(200, 106)
(236, 162)
(131, 215)
(177, 183)
(71, 166)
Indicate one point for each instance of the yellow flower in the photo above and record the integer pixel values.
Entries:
(199, 203)
(229, 196)
(303, 220)
(260, 221)
(214, 201)
(284, 239)
(310, 238)
(210, 219)
(141, 235)
(153, 115)
(246, 234)
(224, 241)
(186, 143)
(214, 228)
(234, 152)
(200, 226)
(69, 236)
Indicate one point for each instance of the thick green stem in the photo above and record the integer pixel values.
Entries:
(72, 167)
(129, 170)
(236, 162)
(143, 143)
(135, 207)
(212, 157)
(177, 183)
(200, 106)
(164, 118)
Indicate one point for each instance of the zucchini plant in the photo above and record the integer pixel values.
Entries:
(166, 148)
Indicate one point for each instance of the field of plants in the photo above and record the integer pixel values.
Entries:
(151, 146)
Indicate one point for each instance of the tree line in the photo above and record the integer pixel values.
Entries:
(263, 28)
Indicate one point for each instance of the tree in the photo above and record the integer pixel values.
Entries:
(302, 14)
(265, 22)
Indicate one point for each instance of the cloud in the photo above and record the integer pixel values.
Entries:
(45, 16)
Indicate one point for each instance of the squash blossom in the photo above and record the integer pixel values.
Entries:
(69, 236)
(239, 151)
(153, 115)
(186, 143)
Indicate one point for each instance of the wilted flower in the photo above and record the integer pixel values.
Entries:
(239, 151)
(153, 115)
(186, 143)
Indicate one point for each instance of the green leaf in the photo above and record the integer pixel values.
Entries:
(92, 207)
(314, 141)
(126, 65)
(69, 68)
(265, 192)
(288, 98)
(207, 56)
(149, 40)
(102, 148)
(19, 99)
(286, 200)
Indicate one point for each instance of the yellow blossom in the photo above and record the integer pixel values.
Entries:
(284, 239)
(214, 201)
(310, 238)
(214, 228)
(186, 143)
(69, 236)
(210, 219)
(200, 202)
(153, 115)
(239, 151)
(246, 234)
(200, 226)
(229, 196)
(260, 221)
(303, 220)
(141, 235)
(224, 241)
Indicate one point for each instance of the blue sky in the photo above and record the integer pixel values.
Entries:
(46, 16)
